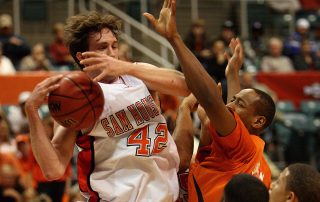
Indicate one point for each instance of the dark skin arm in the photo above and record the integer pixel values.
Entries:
(232, 70)
(198, 80)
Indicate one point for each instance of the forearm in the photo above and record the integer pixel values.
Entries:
(233, 85)
(42, 149)
(183, 137)
(163, 80)
(198, 80)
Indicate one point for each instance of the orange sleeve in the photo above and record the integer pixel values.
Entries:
(203, 152)
(238, 145)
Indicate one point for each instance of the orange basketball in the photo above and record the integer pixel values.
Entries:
(78, 102)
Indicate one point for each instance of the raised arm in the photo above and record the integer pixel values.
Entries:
(163, 80)
(198, 80)
(184, 132)
(53, 155)
(232, 70)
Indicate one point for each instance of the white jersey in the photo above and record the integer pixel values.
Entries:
(130, 154)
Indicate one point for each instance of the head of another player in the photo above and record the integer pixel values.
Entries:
(92, 31)
(245, 187)
(296, 183)
(255, 108)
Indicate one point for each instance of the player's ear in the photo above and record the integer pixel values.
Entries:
(259, 122)
(291, 197)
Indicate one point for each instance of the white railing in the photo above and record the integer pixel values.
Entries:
(166, 51)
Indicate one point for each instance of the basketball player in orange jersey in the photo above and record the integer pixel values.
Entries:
(232, 144)
(129, 155)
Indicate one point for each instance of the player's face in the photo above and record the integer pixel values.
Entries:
(104, 42)
(278, 191)
(244, 104)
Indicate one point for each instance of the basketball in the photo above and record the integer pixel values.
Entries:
(78, 102)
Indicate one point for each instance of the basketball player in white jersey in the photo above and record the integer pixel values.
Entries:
(129, 155)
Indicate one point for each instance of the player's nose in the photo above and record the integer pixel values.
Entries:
(111, 52)
(231, 105)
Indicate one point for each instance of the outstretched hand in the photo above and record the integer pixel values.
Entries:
(166, 24)
(102, 66)
(235, 60)
(190, 102)
(41, 91)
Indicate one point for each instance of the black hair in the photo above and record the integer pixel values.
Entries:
(244, 188)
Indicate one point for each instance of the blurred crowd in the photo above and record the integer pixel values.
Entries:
(21, 177)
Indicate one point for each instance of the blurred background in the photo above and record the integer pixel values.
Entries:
(281, 40)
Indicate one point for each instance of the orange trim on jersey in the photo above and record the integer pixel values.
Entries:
(239, 152)
(85, 165)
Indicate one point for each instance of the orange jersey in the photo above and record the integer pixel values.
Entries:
(215, 164)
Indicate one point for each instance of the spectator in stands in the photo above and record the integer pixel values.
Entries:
(196, 39)
(254, 47)
(216, 62)
(10, 188)
(297, 182)
(288, 6)
(17, 116)
(228, 31)
(248, 80)
(275, 61)
(58, 50)
(316, 38)
(37, 61)
(6, 66)
(15, 47)
(306, 59)
(6, 143)
(292, 44)
(24, 153)
(245, 187)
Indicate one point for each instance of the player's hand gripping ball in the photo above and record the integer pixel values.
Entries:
(78, 102)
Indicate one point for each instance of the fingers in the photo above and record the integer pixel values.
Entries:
(202, 114)
(165, 4)
(53, 87)
(98, 78)
(226, 55)
(51, 81)
(220, 88)
(88, 54)
(237, 51)
(173, 7)
(232, 45)
(150, 18)
(240, 47)
(192, 102)
(169, 4)
(89, 61)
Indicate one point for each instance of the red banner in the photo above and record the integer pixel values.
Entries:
(12, 86)
(293, 86)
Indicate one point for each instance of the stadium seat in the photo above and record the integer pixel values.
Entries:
(285, 106)
(310, 107)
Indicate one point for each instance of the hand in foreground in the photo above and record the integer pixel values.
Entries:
(102, 66)
(41, 91)
(190, 103)
(166, 24)
(236, 60)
